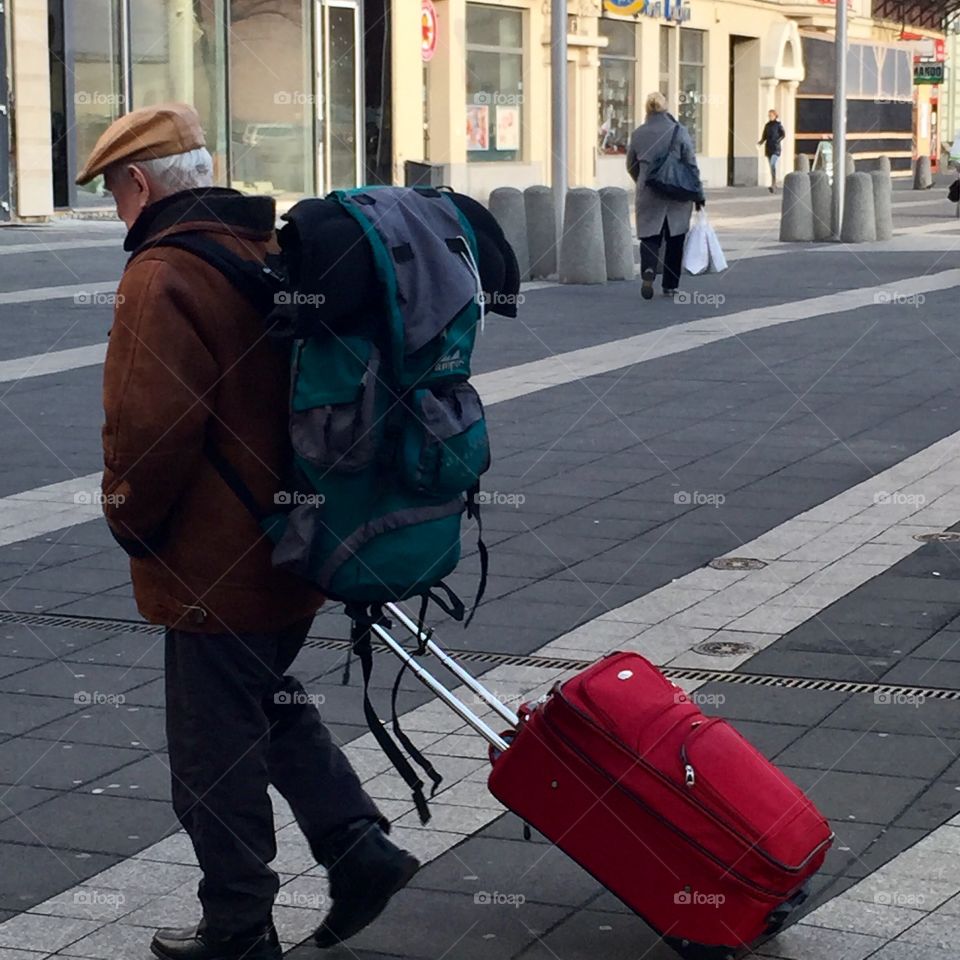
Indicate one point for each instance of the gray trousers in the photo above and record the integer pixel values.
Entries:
(236, 723)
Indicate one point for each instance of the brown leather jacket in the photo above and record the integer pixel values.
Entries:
(188, 362)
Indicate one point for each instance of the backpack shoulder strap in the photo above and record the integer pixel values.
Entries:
(258, 284)
(254, 281)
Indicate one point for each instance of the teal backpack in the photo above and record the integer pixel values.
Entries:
(378, 295)
(389, 437)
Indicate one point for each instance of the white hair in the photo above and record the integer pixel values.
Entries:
(182, 171)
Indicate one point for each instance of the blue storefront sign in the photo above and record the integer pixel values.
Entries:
(676, 10)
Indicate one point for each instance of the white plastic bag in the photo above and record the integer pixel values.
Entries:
(696, 250)
(718, 262)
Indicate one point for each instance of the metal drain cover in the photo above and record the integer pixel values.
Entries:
(944, 536)
(736, 563)
(724, 648)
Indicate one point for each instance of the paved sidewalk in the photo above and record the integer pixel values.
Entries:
(800, 410)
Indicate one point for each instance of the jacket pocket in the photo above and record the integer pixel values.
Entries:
(333, 410)
(445, 447)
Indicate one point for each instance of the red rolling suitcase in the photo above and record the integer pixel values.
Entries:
(673, 812)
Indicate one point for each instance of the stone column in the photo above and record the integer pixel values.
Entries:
(32, 163)
(447, 77)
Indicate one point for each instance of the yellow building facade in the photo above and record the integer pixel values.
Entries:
(302, 96)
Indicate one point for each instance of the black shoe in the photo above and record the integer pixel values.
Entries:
(199, 943)
(646, 288)
(365, 871)
(772, 189)
(670, 292)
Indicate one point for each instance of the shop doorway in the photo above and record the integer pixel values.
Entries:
(744, 112)
(4, 122)
(339, 100)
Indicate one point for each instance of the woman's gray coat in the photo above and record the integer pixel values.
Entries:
(647, 143)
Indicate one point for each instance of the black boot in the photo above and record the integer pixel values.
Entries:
(365, 871)
(200, 943)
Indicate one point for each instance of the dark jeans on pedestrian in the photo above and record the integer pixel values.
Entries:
(672, 257)
(236, 723)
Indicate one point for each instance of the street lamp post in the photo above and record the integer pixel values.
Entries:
(558, 70)
(839, 118)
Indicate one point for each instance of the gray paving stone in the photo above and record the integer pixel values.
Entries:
(938, 718)
(139, 728)
(92, 823)
(865, 797)
(46, 934)
(58, 765)
(613, 936)
(901, 950)
(80, 683)
(889, 754)
(801, 942)
(113, 941)
(543, 874)
(469, 929)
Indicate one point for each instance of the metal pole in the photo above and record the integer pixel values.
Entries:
(839, 117)
(558, 70)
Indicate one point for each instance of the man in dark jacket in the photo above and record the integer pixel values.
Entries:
(771, 138)
(191, 383)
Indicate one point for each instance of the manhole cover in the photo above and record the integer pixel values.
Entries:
(724, 648)
(736, 563)
(944, 536)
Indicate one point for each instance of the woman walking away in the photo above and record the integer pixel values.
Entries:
(659, 218)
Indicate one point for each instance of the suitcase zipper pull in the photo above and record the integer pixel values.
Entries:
(691, 775)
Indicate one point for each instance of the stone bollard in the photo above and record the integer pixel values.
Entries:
(541, 231)
(883, 203)
(617, 239)
(922, 178)
(882, 165)
(821, 203)
(582, 258)
(859, 221)
(850, 166)
(506, 205)
(802, 163)
(796, 210)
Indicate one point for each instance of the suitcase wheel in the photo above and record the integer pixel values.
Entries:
(778, 918)
(697, 951)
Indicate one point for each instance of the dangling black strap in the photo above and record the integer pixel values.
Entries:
(360, 635)
(407, 744)
(473, 512)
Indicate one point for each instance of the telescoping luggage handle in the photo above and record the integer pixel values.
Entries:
(436, 687)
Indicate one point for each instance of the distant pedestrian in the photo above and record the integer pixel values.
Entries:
(771, 138)
(195, 397)
(660, 220)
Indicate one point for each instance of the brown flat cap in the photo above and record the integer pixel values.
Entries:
(145, 134)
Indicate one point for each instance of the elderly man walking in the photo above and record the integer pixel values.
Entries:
(191, 382)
